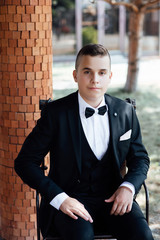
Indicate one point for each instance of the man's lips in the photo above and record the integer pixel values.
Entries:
(94, 88)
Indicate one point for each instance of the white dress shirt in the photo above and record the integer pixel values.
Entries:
(96, 129)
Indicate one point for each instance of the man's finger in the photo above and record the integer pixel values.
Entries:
(114, 208)
(71, 214)
(123, 210)
(111, 199)
(83, 214)
(129, 207)
(118, 210)
(88, 216)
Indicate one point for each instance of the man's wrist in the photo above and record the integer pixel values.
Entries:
(58, 200)
(128, 185)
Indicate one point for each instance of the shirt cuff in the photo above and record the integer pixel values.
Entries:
(128, 185)
(58, 200)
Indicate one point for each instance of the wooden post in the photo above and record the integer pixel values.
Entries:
(101, 21)
(122, 28)
(78, 18)
(135, 49)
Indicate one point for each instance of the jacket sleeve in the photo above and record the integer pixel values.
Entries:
(137, 158)
(33, 151)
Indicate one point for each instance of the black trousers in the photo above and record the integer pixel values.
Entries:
(130, 226)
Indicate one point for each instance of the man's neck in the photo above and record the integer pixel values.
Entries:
(93, 103)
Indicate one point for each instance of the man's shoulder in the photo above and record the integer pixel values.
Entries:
(119, 105)
(115, 100)
(63, 102)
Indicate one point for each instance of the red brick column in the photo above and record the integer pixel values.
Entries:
(25, 77)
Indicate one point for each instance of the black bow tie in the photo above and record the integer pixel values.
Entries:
(90, 111)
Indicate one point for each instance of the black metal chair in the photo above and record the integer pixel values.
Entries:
(42, 104)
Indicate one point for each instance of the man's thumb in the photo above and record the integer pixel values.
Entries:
(111, 199)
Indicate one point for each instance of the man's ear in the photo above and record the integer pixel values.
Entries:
(75, 75)
(110, 75)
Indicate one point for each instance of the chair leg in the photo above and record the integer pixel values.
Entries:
(147, 201)
(37, 208)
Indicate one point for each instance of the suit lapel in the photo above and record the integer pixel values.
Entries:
(74, 124)
(114, 124)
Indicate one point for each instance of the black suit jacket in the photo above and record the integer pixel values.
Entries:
(58, 132)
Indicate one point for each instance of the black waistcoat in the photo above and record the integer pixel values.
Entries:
(98, 177)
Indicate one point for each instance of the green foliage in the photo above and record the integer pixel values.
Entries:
(67, 4)
(89, 35)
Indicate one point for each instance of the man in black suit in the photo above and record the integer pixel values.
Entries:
(89, 135)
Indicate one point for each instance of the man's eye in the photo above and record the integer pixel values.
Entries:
(87, 72)
(102, 73)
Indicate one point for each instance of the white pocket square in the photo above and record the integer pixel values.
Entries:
(126, 135)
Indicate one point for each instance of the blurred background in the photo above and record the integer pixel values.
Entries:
(99, 22)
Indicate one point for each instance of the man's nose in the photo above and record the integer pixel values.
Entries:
(95, 78)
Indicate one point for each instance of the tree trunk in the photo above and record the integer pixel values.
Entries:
(135, 49)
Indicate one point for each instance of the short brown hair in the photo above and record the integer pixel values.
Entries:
(92, 50)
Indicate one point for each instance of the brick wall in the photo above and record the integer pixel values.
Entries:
(25, 77)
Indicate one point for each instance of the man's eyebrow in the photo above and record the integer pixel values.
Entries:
(103, 69)
(86, 68)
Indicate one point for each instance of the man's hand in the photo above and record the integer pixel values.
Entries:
(71, 206)
(123, 199)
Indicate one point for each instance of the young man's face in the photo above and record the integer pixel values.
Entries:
(93, 77)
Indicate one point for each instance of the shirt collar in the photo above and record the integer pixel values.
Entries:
(83, 105)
